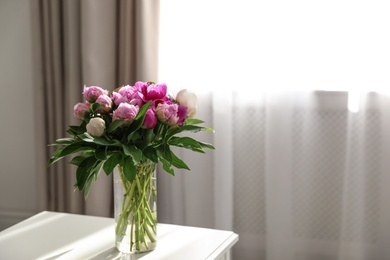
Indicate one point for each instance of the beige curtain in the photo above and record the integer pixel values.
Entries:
(91, 42)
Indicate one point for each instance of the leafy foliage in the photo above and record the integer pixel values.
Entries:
(126, 146)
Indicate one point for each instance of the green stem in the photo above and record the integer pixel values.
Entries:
(135, 205)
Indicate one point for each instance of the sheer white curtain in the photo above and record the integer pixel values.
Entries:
(301, 171)
(295, 174)
(312, 175)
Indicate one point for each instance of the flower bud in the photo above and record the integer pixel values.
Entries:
(106, 101)
(96, 127)
(189, 100)
(150, 119)
(167, 113)
(93, 92)
(80, 109)
(125, 111)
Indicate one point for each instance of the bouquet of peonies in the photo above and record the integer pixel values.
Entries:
(131, 124)
(132, 129)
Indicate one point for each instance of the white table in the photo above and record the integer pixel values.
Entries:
(52, 235)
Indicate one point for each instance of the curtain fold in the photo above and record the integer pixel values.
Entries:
(80, 43)
(137, 40)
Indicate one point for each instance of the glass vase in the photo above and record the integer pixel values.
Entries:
(136, 209)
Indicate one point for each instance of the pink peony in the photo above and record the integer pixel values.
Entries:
(118, 98)
(93, 92)
(125, 111)
(182, 114)
(131, 95)
(106, 101)
(80, 109)
(152, 92)
(170, 113)
(96, 127)
(156, 91)
(150, 119)
(141, 87)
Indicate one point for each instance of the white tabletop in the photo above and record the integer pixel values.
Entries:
(52, 235)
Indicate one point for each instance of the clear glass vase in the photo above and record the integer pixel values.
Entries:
(136, 209)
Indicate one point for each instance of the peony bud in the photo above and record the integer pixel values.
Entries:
(96, 127)
(167, 113)
(80, 109)
(150, 119)
(182, 114)
(187, 99)
(128, 94)
(106, 101)
(125, 111)
(118, 98)
(93, 92)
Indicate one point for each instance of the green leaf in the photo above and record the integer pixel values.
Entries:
(86, 137)
(208, 129)
(133, 151)
(76, 147)
(95, 106)
(71, 131)
(149, 135)
(63, 141)
(178, 163)
(77, 160)
(101, 153)
(129, 169)
(193, 121)
(75, 130)
(87, 185)
(98, 140)
(114, 125)
(139, 120)
(186, 142)
(163, 152)
(111, 162)
(135, 125)
(151, 154)
(136, 137)
(56, 156)
(104, 141)
(206, 145)
(188, 128)
(92, 177)
(190, 143)
(142, 111)
(67, 150)
(84, 170)
(167, 166)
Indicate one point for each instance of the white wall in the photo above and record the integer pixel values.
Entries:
(17, 164)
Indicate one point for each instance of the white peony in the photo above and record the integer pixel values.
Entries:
(189, 100)
(96, 127)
